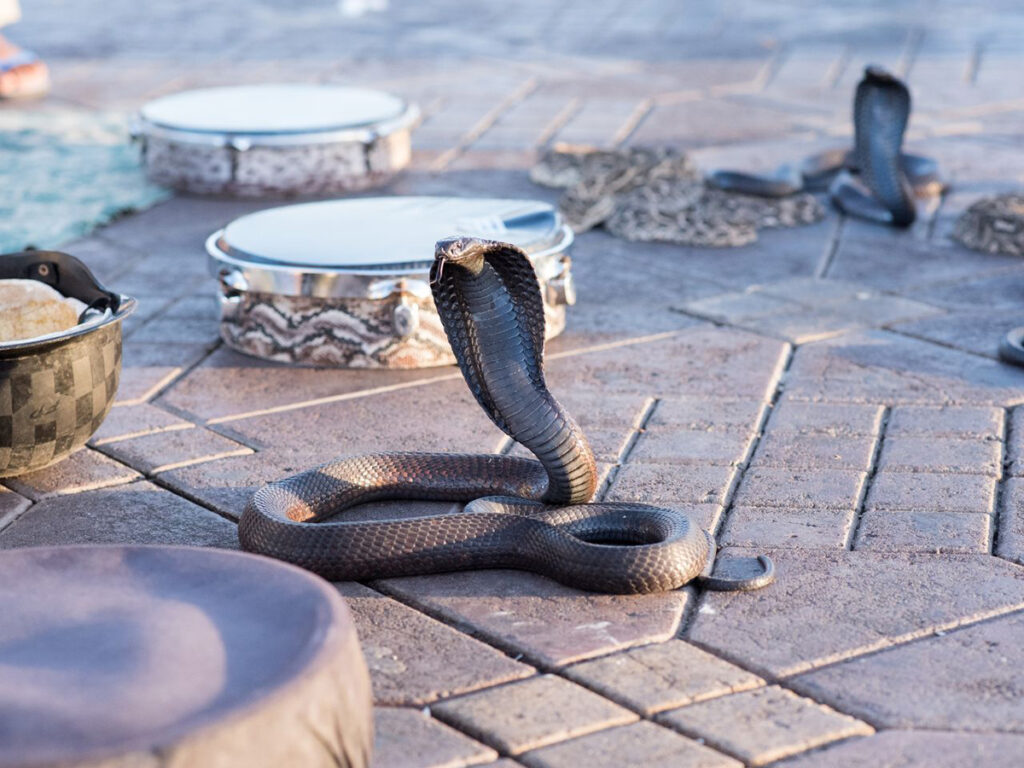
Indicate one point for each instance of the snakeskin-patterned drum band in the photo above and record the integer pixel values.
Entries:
(401, 331)
(315, 169)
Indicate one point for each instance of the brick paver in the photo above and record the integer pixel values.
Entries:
(136, 513)
(832, 419)
(533, 713)
(1011, 522)
(787, 527)
(161, 451)
(407, 738)
(359, 425)
(686, 363)
(629, 746)
(834, 605)
(666, 484)
(548, 623)
(968, 679)
(979, 422)
(659, 677)
(130, 421)
(882, 367)
(84, 470)
(672, 445)
(826, 389)
(763, 725)
(393, 637)
(712, 415)
(941, 454)
(814, 452)
(939, 492)
(924, 531)
(814, 489)
(938, 749)
(11, 506)
(801, 311)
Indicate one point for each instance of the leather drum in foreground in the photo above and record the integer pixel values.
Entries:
(530, 514)
(175, 657)
(56, 390)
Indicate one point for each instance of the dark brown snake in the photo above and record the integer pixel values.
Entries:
(526, 514)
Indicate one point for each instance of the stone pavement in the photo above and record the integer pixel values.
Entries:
(829, 394)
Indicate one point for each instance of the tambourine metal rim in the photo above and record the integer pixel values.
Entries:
(237, 272)
(18, 348)
(142, 129)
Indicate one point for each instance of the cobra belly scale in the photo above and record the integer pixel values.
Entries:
(522, 513)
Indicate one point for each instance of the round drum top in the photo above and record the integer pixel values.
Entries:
(108, 650)
(270, 109)
(382, 233)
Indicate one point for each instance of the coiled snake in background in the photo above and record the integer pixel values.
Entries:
(876, 180)
(523, 513)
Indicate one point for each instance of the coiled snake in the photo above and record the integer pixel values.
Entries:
(525, 514)
(876, 180)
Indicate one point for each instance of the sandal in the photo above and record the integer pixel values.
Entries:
(23, 75)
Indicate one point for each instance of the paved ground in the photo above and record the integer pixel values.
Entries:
(829, 394)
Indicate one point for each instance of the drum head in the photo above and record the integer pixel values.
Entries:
(110, 650)
(387, 234)
(272, 109)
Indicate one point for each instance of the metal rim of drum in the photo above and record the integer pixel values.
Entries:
(245, 140)
(275, 308)
(238, 273)
(236, 717)
(341, 283)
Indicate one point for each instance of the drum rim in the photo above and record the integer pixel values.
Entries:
(319, 644)
(406, 116)
(243, 272)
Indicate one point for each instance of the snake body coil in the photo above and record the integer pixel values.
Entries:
(876, 180)
(526, 514)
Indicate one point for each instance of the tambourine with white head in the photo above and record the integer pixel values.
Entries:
(275, 140)
(344, 283)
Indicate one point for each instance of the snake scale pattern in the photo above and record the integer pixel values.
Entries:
(344, 332)
(523, 513)
(657, 194)
(993, 225)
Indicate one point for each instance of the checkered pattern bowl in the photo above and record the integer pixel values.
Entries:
(55, 391)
